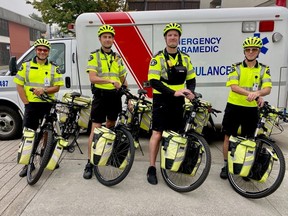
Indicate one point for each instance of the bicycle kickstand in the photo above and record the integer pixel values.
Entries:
(75, 141)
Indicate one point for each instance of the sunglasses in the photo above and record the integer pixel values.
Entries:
(42, 50)
(251, 49)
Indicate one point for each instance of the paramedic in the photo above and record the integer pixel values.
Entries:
(169, 70)
(107, 74)
(248, 81)
(44, 77)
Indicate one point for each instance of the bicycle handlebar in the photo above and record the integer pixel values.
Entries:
(267, 109)
(196, 103)
(47, 98)
(123, 90)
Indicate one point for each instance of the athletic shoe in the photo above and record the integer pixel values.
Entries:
(151, 175)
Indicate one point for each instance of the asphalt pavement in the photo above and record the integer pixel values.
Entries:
(65, 192)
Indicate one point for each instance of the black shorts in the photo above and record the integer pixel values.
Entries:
(235, 116)
(34, 112)
(167, 113)
(105, 104)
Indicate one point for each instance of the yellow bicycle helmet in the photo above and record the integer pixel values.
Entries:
(252, 42)
(172, 26)
(42, 42)
(106, 29)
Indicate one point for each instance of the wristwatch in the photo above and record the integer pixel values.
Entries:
(45, 90)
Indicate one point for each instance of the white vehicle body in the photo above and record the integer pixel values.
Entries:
(212, 37)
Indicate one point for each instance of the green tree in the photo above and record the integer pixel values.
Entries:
(63, 12)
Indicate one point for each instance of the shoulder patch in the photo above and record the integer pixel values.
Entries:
(90, 57)
(153, 62)
(268, 72)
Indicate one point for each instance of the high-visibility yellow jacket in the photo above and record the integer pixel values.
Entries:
(251, 79)
(158, 69)
(34, 75)
(107, 66)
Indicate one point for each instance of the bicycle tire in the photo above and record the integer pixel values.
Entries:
(123, 147)
(181, 182)
(40, 158)
(254, 189)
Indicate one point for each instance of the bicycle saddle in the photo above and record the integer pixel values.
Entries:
(75, 94)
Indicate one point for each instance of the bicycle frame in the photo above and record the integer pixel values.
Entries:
(131, 114)
(191, 111)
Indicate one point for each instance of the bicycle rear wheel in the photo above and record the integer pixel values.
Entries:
(120, 161)
(42, 151)
(181, 182)
(254, 189)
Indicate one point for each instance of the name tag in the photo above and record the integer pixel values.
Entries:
(255, 86)
(46, 82)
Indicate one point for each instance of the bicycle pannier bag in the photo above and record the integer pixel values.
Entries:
(84, 118)
(144, 109)
(241, 155)
(173, 150)
(102, 146)
(26, 146)
(263, 165)
(57, 153)
(202, 116)
(193, 158)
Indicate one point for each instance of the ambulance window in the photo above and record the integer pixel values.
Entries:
(27, 57)
(57, 55)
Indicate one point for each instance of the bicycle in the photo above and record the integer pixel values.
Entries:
(69, 118)
(123, 151)
(196, 144)
(135, 114)
(254, 186)
(48, 134)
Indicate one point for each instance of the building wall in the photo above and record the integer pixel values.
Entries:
(143, 5)
(19, 39)
(246, 3)
(20, 35)
(237, 3)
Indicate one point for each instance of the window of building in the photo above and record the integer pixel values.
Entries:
(4, 53)
(34, 34)
(4, 28)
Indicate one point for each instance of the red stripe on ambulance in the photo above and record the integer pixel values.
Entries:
(130, 44)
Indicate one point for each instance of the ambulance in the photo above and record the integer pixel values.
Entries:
(212, 37)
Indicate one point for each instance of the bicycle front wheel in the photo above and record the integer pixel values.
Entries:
(120, 161)
(182, 182)
(254, 189)
(42, 150)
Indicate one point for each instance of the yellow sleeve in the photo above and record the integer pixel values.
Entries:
(20, 76)
(233, 77)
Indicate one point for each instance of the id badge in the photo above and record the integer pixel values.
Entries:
(46, 82)
(255, 86)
